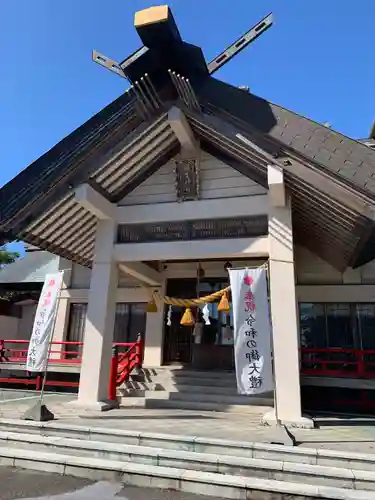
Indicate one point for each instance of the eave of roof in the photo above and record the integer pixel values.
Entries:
(123, 148)
(326, 226)
(64, 227)
(281, 132)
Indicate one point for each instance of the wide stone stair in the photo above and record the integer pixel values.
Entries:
(213, 467)
(179, 388)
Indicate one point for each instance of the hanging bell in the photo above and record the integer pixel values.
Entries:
(187, 318)
(200, 272)
(152, 307)
(224, 303)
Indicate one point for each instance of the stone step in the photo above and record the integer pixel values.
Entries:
(182, 372)
(187, 404)
(220, 464)
(174, 386)
(301, 455)
(162, 373)
(199, 397)
(185, 380)
(172, 478)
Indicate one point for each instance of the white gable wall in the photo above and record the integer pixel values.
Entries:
(217, 180)
(311, 270)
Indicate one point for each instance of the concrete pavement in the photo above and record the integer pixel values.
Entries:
(20, 484)
(350, 434)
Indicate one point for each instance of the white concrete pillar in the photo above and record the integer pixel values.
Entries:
(283, 305)
(63, 309)
(153, 351)
(61, 326)
(99, 326)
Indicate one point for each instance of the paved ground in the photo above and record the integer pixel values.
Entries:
(17, 484)
(19, 396)
(346, 434)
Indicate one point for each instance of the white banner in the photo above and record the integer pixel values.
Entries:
(44, 323)
(252, 330)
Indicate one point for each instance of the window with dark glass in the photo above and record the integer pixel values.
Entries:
(328, 325)
(366, 325)
(342, 329)
(130, 319)
(76, 328)
(331, 329)
(313, 325)
(340, 325)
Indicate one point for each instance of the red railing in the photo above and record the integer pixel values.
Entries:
(122, 364)
(125, 358)
(15, 351)
(352, 363)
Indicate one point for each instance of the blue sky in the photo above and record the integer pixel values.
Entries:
(317, 60)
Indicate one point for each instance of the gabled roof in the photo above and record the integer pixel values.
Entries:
(329, 150)
(327, 225)
(331, 177)
(32, 268)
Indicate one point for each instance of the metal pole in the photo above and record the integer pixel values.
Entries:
(49, 350)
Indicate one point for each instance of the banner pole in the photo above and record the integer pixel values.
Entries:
(39, 412)
(49, 350)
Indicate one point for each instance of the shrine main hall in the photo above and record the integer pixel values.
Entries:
(178, 179)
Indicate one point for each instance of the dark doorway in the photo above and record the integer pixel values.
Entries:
(178, 338)
(214, 350)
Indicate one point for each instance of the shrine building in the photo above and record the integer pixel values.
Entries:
(180, 178)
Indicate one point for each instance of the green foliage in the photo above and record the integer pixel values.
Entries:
(7, 257)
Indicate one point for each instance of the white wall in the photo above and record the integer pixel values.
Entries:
(217, 180)
(26, 322)
(368, 273)
(311, 270)
(81, 276)
(8, 327)
(212, 269)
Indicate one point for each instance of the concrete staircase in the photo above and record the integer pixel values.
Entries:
(179, 388)
(218, 468)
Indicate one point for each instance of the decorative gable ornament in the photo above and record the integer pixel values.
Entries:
(187, 179)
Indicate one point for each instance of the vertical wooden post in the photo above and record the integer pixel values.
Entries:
(38, 382)
(139, 351)
(112, 390)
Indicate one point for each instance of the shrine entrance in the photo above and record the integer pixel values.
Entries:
(209, 344)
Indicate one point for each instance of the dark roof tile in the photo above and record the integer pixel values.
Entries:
(342, 155)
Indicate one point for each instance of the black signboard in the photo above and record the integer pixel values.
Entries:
(187, 179)
(244, 227)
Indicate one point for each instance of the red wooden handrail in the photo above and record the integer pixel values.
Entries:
(130, 359)
(336, 362)
(12, 351)
(64, 352)
(122, 364)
